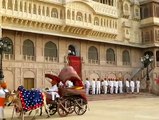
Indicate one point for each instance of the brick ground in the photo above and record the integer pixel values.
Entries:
(119, 96)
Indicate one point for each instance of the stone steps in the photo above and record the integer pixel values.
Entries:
(119, 96)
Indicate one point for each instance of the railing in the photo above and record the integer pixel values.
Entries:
(105, 9)
(137, 72)
(126, 63)
(92, 61)
(51, 59)
(8, 57)
(27, 10)
(28, 58)
(110, 62)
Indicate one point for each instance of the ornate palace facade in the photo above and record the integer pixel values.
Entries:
(110, 37)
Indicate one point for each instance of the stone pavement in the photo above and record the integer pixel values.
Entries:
(119, 96)
(141, 106)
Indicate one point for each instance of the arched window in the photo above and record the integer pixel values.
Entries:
(4, 4)
(96, 21)
(126, 57)
(73, 15)
(68, 14)
(21, 6)
(34, 8)
(126, 7)
(29, 7)
(137, 12)
(25, 6)
(39, 10)
(90, 18)
(110, 55)
(92, 53)
(50, 49)
(79, 16)
(9, 51)
(54, 13)
(10, 4)
(47, 12)
(28, 48)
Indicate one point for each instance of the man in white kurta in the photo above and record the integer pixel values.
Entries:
(137, 85)
(120, 83)
(111, 86)
(69, 84)
(87, 86)
(127, 85)
(116, 84)
(93, 84)
(54, 92)
(105, 85)
(132, 86)
(98, 89)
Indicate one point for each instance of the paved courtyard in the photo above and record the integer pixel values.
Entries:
(130, 108)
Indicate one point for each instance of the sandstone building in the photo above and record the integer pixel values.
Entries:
(109, 37)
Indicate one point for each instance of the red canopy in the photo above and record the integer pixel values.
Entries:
(53, 77)
(68, 73)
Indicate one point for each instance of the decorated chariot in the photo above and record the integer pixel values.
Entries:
(71, 99)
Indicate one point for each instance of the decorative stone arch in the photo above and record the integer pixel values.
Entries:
(127, 76)
(28, 74)
(112, 75)
(9, 78)
(80, 2)
(93, 76)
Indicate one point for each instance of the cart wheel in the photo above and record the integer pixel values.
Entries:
(52, 108)
(62, 108)
(80, 106)
(70, 105)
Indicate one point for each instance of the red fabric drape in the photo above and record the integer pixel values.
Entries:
(75, 62)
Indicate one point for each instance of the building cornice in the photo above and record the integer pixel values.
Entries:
(148, 1)
(137, 45)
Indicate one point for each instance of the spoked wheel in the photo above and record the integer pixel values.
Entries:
(62, 108)
(80, 106)
(52, 108)
(70, 105)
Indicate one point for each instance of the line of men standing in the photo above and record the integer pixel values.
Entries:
(105, 86)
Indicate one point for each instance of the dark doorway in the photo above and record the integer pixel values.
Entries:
(71, 50)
